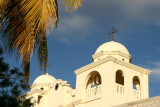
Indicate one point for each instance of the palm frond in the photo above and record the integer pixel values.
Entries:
(71, 5)
(3, 4)
(43, 14)
(40, 13)
(3, 7)
(25, 24)
(42, 53)
(26, 70)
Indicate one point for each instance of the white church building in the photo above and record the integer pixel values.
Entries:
(111, 80)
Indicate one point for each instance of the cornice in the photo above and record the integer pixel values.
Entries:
(133, 67)
(115, 60)
(111, 53)
(94, 64)
(40, 84)
(31, 92)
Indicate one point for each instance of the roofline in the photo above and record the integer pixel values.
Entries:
(40, 84)
(111, 53)
(114, 60)
(31, 92)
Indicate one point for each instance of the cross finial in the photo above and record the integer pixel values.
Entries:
(113, 31)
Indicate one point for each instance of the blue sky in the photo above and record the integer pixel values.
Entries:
(80, 33)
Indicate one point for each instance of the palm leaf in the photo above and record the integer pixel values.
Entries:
(26, 70)
(3, 4)
(25, 23)
(29, 32)
(71, 5)
(42, 53)
(3, 7)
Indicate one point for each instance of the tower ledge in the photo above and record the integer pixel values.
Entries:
(115, 60)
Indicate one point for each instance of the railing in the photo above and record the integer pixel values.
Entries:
(137, 94)
(93, 91)
(119, 88)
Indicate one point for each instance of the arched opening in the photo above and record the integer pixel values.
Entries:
(119, 77)
(93, 84)
(94, 80)
(39, 98)
(136, 83)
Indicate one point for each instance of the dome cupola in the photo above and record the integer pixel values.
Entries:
(42, 82)
(113, 49)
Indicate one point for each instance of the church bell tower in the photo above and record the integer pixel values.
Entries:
(111, 79)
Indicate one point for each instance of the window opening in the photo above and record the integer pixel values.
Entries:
(94, 80)
(39, 98)
(119, 77)
(136, 83)
(56, 87)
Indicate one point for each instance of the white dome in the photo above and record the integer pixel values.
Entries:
(44, 79)
(112, 46)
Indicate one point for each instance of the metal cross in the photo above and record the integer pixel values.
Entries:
(113, 31)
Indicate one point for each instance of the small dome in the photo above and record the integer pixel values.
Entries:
(112, 46)
(44, 79)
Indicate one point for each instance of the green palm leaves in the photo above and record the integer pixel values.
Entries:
(25, 24)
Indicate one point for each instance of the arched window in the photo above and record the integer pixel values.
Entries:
(93, 84)
(119, 77)
(136, 83)
(94, 80)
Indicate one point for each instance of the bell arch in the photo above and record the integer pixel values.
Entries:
(136, 83)
(93, 79)
(119, 77)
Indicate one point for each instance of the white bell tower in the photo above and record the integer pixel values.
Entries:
(111, 79)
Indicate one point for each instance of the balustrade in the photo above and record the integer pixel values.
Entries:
(137, 94)
(119, 88)
(93, 91)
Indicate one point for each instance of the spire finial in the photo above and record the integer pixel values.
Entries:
(114, 31)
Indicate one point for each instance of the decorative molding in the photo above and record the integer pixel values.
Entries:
(32, 92)
(111, 53)
(40, 84)
(97, 55)
(115, 60)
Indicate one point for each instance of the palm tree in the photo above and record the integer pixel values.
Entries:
(24, 27)
(3, 6)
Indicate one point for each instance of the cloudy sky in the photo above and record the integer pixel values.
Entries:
(81, 32)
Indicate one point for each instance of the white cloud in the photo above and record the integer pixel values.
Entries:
(155, 69)
(131, 12)
(100, 15)
(157, 48)
(74, 23)
(73, 27)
